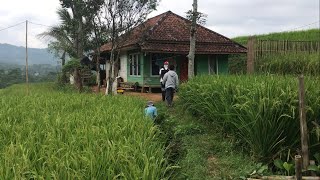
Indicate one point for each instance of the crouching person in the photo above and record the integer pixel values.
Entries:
(151, 110)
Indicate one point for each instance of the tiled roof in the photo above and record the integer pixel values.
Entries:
(170, 33)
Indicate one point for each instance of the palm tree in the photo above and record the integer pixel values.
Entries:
(64, 39)
(62, 36)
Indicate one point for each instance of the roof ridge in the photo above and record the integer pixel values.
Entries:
(205, 28)
(232, 41)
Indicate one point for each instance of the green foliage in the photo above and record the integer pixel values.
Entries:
(259, 171)
(237, 64)
(9, 77)
(316, 167)
(261, 111)
(278, 163)
(317, 157)
(71, 66)
(288, 167)
(54, 135)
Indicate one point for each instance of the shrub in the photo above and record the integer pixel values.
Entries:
(262, 111)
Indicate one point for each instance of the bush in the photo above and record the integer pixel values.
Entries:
(262, 111)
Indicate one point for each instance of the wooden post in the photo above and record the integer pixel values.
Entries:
(27, 79)
(303, 124)
(250, 55)
(298, 167)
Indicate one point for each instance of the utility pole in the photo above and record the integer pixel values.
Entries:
(193, 31)
(27, 80)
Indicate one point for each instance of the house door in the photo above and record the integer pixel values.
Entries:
(184, 69)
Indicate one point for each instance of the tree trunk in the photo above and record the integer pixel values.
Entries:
(98, 59)
(63, 58)
(80, 39)
(77, 79)
(63, 62)
(113, 72)
(79, 46)
(110, 74)
(193, 31)
(98, 75)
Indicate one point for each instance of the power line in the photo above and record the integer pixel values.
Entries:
(12, 26)
(39, 24)
(304, 26)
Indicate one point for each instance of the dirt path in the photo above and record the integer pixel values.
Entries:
(155, 97)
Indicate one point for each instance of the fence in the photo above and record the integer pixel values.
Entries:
(258, 49)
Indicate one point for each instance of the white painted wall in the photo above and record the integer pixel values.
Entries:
(123, 68)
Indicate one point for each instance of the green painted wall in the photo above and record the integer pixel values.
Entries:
(222, 64)
(155, 79)
(201, 65)
(148, 79)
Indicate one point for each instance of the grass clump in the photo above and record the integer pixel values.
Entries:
(260, 111)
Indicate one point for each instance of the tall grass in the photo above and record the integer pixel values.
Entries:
(282, 64)
(277, 62)
(262, 111)
(52, 135)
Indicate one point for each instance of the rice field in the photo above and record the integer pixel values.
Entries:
(294, 64)
(54, 135)
(259, 111)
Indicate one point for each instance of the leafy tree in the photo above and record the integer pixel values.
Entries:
(120, 17)
(72, 35)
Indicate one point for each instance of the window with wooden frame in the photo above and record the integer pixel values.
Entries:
(134, 61)
(155, 67)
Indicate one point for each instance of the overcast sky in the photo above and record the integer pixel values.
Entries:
(228, 17)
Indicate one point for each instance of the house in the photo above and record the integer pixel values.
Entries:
(166, 37)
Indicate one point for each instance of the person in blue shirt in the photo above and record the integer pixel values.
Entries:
(151, 110)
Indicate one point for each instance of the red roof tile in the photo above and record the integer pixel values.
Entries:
(170, 33)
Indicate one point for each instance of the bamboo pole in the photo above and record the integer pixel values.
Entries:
(298, 167)
(27, 78)
(303, 124)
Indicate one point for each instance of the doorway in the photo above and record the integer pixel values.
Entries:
(183, 68)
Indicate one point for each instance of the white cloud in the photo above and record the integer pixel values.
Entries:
(228, 17)
(247, 17)
(37, 11)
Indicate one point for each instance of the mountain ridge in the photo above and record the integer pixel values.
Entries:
(11, 54)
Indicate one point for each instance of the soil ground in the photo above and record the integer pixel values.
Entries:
(155, 97)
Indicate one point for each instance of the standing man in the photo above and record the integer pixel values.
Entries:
(162, 72)
(171, 81)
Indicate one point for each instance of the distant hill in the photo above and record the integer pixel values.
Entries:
(305, 35)
(10, 54)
